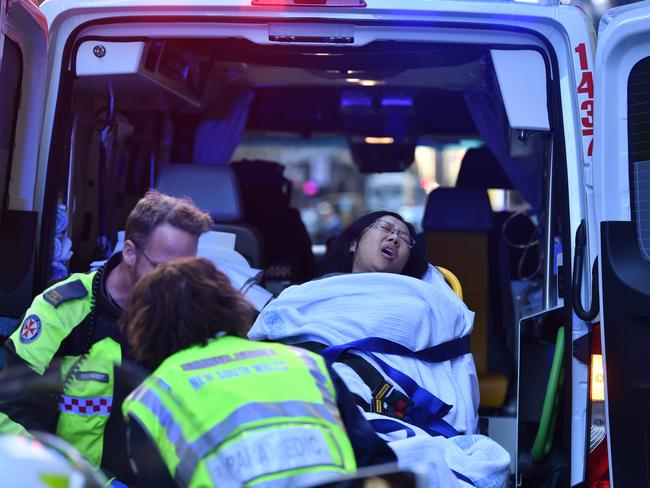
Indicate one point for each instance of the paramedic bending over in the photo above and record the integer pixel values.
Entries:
(210, 386)
(379, 241)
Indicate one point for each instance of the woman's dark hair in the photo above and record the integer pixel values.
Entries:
(339, 259)
(181, 304)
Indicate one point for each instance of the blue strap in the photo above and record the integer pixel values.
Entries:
(386, 426)
(428, 410)
(435, 354)
(462, 477)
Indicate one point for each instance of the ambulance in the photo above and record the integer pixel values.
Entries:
(101, 100)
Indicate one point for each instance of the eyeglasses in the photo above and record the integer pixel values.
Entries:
(389, 228)
(153, 263)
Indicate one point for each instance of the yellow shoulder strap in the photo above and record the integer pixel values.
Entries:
(452, 280)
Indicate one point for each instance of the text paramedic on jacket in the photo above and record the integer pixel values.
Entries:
(225, 411)
(76, 321)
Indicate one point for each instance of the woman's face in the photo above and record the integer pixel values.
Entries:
(381, 248)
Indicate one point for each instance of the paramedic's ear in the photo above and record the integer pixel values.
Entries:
(129, 252)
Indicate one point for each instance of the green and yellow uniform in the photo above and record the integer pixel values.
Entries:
(72, 326)
(242, 413)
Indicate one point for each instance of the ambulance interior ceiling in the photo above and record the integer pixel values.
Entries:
(300, 88)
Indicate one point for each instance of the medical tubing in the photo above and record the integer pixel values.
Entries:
(576, 288)
(533, 240)
(544, 436)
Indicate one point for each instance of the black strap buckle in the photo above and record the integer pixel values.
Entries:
(389, 401)
(379, 396)
(397, 403)
(385, 398)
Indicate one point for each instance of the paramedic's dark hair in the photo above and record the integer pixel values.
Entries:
(157, 208)
(180, 304)
(339, 259)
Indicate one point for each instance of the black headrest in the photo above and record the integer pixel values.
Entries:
(481, 169)
(263, 182)
(457, 209)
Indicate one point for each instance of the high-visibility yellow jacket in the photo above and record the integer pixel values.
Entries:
(242, 413)
(59, 325)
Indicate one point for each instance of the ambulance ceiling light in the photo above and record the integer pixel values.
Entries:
(321, 54)
(351, 99)
(378, 140)
(362, 82)
(397, 101)
(371, 82)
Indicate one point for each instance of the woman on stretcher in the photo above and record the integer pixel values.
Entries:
(399, 338)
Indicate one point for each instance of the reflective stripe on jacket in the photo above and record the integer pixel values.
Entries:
(236, 412)
(86, 401)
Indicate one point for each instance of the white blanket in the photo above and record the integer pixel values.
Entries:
(343, 308)
(417, 314)
(216, 247)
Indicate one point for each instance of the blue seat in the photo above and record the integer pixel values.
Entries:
(457, 227)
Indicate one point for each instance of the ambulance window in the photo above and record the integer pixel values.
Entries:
(10, 76)
(639, 150)
(328, 188)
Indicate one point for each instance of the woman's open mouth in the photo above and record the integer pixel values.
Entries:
(388, 252)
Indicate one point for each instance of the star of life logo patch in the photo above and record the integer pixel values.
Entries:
(30, 329)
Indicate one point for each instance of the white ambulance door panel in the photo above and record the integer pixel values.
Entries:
(23, 51)
(622, 196)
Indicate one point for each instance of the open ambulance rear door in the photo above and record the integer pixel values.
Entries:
(622, 201)
(23, 51)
